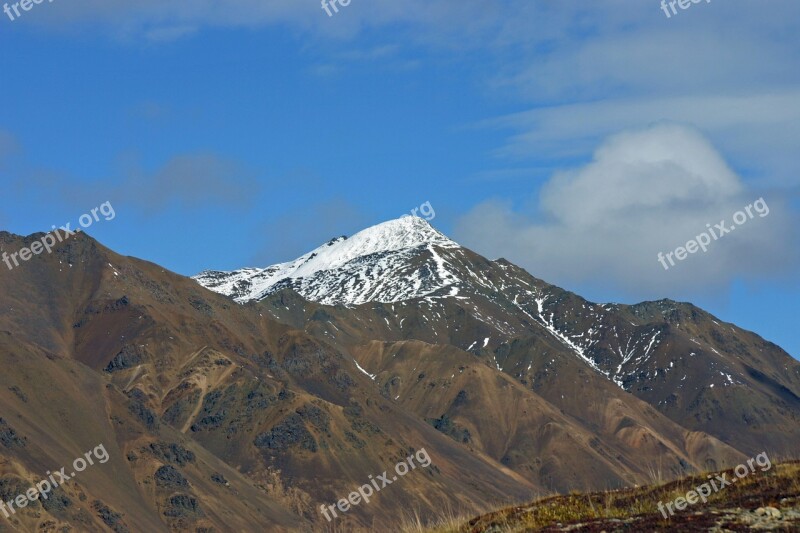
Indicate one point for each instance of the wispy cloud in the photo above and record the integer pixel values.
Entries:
(169, 33)
(150, 110)
(8, 146)
(191, 181)
(761, 129)
(187, 181)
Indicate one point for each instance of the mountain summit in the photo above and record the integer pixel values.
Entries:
(397, 260)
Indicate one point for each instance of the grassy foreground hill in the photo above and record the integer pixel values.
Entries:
(766, 500)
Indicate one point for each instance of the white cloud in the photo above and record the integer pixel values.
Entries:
(645, 191)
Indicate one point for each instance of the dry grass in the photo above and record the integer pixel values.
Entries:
(757, 489)
(446, 521)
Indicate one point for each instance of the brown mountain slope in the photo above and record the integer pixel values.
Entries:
(610, 437)
(616, 441)
(62, 409)
(703, 374)
(233, 416)
(276, 422)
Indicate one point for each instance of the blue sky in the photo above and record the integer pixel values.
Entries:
(575, 139)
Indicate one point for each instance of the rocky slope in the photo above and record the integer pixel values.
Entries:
(251, 409)
(705, 375)
(213, 414)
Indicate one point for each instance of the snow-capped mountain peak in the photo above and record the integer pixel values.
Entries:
(394, 235)
(373, 265)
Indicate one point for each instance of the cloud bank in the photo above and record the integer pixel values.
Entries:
(645, 191)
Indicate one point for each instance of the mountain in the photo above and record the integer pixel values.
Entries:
(214, 415)
(703, 374)
(250, 409)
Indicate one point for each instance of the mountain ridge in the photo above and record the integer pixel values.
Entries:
(670, 354)
(294, 402)
(307, 273)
